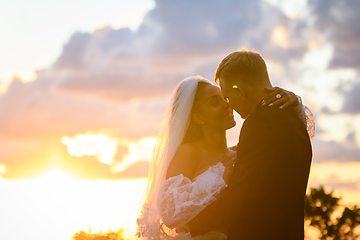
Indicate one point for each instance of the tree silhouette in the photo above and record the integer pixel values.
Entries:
(110, 235)
(319, 208)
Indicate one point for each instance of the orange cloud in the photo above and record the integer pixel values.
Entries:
(101, 146)
(139, 151)
(104, 148)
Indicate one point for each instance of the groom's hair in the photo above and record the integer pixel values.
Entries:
(243, 62)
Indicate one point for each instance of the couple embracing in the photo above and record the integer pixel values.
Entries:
(199, 188)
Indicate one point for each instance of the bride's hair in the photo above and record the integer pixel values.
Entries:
(174, 130)
(194, 132)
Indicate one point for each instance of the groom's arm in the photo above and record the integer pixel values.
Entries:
(251, 182)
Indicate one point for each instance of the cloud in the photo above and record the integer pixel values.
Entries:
(116, 78)
(333, 182)
(36, 110)
(121, 79)
(88, 167)
(335, 151)
(341, 177)
(173, 42)
(34, 117)
(73, 52)
(352, 99)
(38, 156)
(339, 21)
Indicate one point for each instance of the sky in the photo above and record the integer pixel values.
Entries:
(84, 85)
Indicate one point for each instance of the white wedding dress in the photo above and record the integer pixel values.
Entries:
(181, 199)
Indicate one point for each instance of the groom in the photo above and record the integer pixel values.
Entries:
(265, 197)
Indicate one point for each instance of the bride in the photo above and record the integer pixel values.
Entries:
(191, 162)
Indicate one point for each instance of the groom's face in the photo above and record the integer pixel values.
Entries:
(233, 94)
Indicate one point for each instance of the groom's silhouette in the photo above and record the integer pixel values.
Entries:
(265, 196)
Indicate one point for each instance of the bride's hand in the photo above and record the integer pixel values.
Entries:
(279, 96)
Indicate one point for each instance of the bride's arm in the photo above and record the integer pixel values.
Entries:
(285, 99)
(181, 199)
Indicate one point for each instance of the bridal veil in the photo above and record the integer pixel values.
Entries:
(172, 130)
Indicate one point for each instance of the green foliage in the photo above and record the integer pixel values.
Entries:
(110, 235)
(319, 208)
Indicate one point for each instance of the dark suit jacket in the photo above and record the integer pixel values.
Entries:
(265, 196)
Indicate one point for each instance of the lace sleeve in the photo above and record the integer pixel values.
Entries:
(181, 199)
(307, 117)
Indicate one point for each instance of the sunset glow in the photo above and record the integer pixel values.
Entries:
(140, 150)
(92, 145)
(55, 175)
(105, 147)
(2, 168)
(84, 85)
(58, 205)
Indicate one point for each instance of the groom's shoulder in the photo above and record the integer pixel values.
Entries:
(270, 116)
(263, 113)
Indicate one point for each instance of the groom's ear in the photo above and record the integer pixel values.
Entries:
(240, 91)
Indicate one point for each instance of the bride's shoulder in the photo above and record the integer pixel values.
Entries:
(185, 161)
(190, 149)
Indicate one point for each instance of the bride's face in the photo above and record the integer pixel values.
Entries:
(213, 110)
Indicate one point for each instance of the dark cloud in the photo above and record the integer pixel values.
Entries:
(339, 22)
(352, 99)
(177, 39)
(336, 151)
(73, 52)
